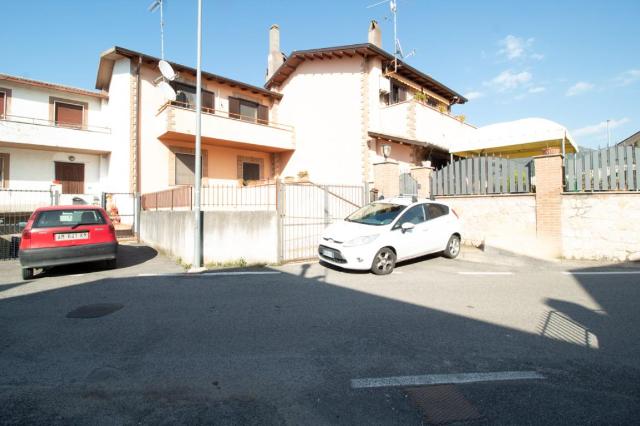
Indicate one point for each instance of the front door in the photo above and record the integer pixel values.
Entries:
(71, 177)
(410, 243)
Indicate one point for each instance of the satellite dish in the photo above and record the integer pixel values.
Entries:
(167, 91)
(166, 70)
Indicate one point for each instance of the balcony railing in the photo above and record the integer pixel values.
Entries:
(49, 123)
(179, 119)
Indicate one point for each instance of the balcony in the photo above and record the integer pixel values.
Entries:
(29, 132)
(417, 121)
(178, 123)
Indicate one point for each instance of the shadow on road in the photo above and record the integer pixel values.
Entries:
(282, 349)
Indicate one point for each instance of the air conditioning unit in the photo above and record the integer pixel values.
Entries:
(385, 85)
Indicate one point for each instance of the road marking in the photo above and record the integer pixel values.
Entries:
(602, 273)
(441, 379)
(77, 275)
(485, 273)
(243, 273)
(148, 275)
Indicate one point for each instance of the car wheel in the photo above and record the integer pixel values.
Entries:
(27, 273)
(384, 261)
(453, 247)
(111, 264)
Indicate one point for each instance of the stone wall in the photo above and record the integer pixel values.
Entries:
(504, 221)
(601, 226)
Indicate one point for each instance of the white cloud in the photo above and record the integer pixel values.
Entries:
(509, 80)
(538, 89)
(628, 77)
(518, 48)
(473, 95)
(579, 88)
(599, 128)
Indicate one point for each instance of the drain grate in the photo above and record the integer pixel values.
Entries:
(95, 311)
(442, 404)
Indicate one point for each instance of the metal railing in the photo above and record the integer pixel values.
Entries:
(226, 115)
(258, 196)
(51, 123)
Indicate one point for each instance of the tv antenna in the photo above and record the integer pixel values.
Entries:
(397, 47)
(155, 4)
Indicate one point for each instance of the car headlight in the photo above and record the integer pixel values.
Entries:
(360, 241)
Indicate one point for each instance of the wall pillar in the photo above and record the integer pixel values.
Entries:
(387, 179)
(548, 181)
(423, 176)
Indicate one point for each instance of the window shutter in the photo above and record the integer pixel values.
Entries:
(263, 114)
(68, 114)
(3, 98)
(208, 101)
(234, 107)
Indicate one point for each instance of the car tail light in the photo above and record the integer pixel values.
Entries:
(454, 212)
(112, 229)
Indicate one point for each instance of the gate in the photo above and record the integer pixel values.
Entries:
(306, 209)
(408, 185)
(16, 206)
(123, 209)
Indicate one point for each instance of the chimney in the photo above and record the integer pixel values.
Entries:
(275, 58)
(375, 35)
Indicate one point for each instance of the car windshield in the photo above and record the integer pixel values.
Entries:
(57, 218)
(376, 214)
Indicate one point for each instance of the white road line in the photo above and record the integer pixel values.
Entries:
(242, 273)
(601, 273)
(485, 273)
(440, 379)
(148, 275)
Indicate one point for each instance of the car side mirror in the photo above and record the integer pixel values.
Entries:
(407, 226)
(21, 226)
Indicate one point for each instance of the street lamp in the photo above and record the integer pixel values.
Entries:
(197, 250)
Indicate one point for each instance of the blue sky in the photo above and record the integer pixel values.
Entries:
(575, 62)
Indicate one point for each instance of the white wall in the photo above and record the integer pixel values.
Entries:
(322, 100)
(228, 236)
(35, 169)
(119, 116)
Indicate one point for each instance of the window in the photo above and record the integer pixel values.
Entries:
(248, 111)
(250, 171)
(185, 169)
(398, 93)
(70, 176)
(186, 97)
(4, 170)
(68, 115)
(436, 210)
(3, 104)
(56, 218)
(376, 214)
(414, 215)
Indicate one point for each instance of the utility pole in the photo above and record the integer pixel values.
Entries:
(197, 249)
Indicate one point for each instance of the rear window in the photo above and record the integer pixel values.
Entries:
(437, 210)
(57, 218)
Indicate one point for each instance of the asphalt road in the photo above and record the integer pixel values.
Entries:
(281, 346)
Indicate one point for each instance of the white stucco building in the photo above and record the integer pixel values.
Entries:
(58, 135)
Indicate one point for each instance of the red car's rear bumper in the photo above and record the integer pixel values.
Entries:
(43, 257)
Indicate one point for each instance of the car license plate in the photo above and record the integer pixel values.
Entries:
(328, 253)
(72, 236)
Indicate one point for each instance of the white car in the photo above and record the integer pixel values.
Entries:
(384, 232)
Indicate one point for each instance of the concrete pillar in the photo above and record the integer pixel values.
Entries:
(548, 175)
(423, 176)
(387, 178)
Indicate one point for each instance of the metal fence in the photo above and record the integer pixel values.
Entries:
(483, 175)
(609, 169)
(306, 209)
(15, 208)
(214, 197)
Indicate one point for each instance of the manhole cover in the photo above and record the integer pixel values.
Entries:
(95, 311)
(442, 404)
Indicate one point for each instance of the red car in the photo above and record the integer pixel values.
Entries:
(60, 235)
